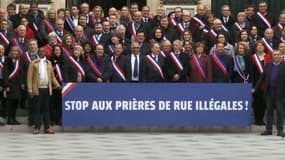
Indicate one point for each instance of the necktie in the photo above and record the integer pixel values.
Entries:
(22, 40)
(136, 67)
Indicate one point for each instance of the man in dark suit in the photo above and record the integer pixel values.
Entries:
(144, 45)
(116, 71)
(262, 19)
(2, 86)
(135, 61)
(170, 32)
(153, 66)
(16, 19)
(84, 9)
(274, 76)
(279, 27)
(99, 37)
(177, 64)
(222, 65)
(226, 17)
(136, 26)
(20, 40)
(146, 17)
(5, 36)
(82, 21)
(270, 42)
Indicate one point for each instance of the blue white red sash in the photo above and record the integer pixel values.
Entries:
(20, 47)
(15, 71)
(95, 40)
(264, 19)
(67, 88)
(155, 65)
(225, 28)
(200, 22)
(111, 48)
(94, 67)
(27, 57)
(162, 53)
(134, 31)
(70, 23)
(49, 25)
(239, 69)
(35, 26)
(269, 48)
(1, 65)
(59, 40)
(4, 38)
(199, 65)
(180, 27)
(58, 72)
(213, 33)
(220, 63)
(118, 69)
(280, 27)
(173, 22)
(258, 63)
(238, 26)
(78, 67)
(205, 31)
(176, 61)
(66, 51)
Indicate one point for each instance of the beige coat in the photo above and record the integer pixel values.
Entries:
(33, 82)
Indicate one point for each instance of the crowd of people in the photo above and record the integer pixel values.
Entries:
(39, 52)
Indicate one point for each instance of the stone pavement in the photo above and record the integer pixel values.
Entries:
(140, 146)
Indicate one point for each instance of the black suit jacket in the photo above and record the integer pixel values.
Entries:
(150, 74)
(130, 68)
(70, 72)
(109, 73)
(280, 85)
(229, 23)
(172, 69)
(142, 28)
(218, 75)
(236, 77)
(145, 48)
(260, 24)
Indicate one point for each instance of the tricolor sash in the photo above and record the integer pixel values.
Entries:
(70, 23)
(111, 48)
(67, 88)
(239, 69)
(66, 51)
(78, 67)
(118, 69)
(27, 57)
(95, 40)
(225, 28)
(199, 22)
(205, 31)
(1, 65)
(280, 27)
(35, 26)
(282, 40)
(257, 63)
(176, 61)
(162, 53)
(180, 27)
(94, 67)
(4, 38)
(220, 63)
(238, 26)
(155, 65)
(134, 31)
(173, 22)
(213, 33)
(199, 65)
(20, 47)
(269, 48)
(58, 72)
(59, 40)
(14, 73)
(49, 25)
(264, 19)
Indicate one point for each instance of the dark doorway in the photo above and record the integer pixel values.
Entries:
(106, 4)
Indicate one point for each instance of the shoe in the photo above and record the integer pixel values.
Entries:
(280, 133)
(266, 133)
(260, 123)
(36, 131)
(49, 131)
